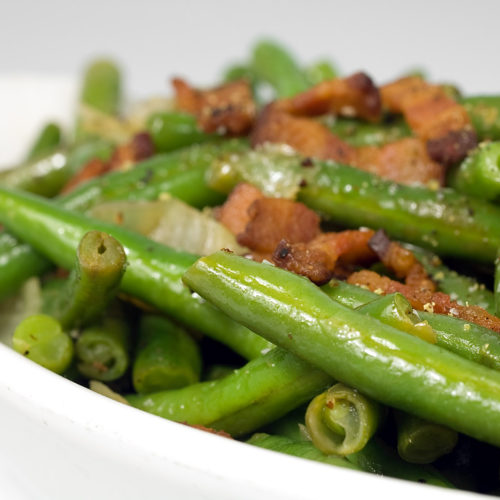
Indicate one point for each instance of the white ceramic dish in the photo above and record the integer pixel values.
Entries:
(59, 440)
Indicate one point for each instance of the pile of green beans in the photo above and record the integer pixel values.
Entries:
(335, 374)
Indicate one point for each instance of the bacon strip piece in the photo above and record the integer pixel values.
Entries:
(355, 95)
(139, 148)
(405, 161)
(433, 116)
(326, 255)
(228, 108)
(425, 300)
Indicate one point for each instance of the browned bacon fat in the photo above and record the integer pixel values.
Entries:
(229, 108)
(433, 116)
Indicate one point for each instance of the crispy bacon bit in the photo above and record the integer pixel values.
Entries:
(274, 219)
(401, 261)
(209, 429)
(306, 260)
(426, 300)
(234, 213)
(229, 108)
(139, 148)
(405, 161)
(432, 115)
(353, 96)
(306, 136)
(322, 257)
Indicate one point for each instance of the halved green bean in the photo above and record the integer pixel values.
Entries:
(421, 441)
(103, 349)
(166, 357)
(274, 65)
(479, 174)
(45, 143)
(341, 421)
(382, 362)
(41, 339)
(263, 390)
(94, 281)
(468, 340)
(174, 130)
(301, 449)
(153, 274)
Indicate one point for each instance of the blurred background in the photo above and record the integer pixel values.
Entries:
(153, 40)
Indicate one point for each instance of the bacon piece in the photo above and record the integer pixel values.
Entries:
(433, 116)
(425, 300)
(274, 219)
(401, 261)
(139, 148)
(209, 429)
(405, 161)
(234, 213)
(304, 135)
(229, 107)
(353, 96)
(320, 258)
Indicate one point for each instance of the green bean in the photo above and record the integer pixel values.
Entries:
(359, 133)
(93, 283)
(45, 143)
(479, 174)
(321, 71)
(301, 449)
(216, 372)
(101, 87)
(182, 174)
(463, 289)
(41, 339)
(421, 441)
(468, 340)
(274, 384)
(102, 350)
(153, 274)
(484, 113)
(382, 362)
(396, 311)
(274, 65)
(174, 130)
(341, 421)
(166, 357)
(46, 176)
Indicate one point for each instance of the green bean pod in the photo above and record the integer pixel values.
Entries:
(181, 174)
(468, 340)
(274, 384)
(45, 143)
(166, 357)
(463, 289)
(421, 441)
(301, 449)
(41, 339)
(274, 65)
(380, 361)
(153, 273)
(479, 174)
(103, 349)
(46, 176)
(341, 420)
(93, 283)
(484, 113)
(174, 130)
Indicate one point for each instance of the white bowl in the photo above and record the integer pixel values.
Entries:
(59, 440)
